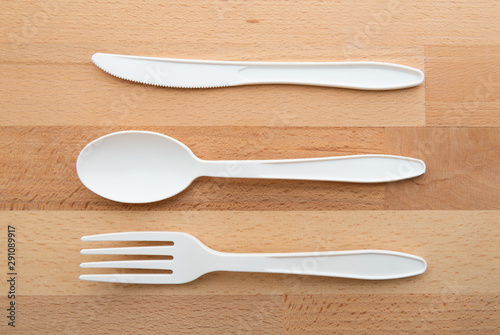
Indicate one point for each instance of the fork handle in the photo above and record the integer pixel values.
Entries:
(357, 264)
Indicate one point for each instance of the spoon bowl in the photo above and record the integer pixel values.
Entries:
(136, 166)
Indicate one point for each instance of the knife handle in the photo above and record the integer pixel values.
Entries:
(354, 75)
(190, 73)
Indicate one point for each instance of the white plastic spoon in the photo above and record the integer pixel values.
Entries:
(142, 166)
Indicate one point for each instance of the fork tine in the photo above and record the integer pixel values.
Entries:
(133, 278)
(155, 250)
(134, 236)
(159, 264)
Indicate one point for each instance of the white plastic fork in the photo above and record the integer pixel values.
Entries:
(192, 259)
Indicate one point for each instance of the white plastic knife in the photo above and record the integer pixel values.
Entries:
(188, 73)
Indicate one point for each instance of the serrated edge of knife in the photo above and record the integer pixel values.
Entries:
(153, 84)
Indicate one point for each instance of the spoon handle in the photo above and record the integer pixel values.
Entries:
(354, 169)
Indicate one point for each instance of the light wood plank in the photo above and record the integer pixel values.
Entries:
(118, 26)
(472, 98)
(93, 97)
(461, 248)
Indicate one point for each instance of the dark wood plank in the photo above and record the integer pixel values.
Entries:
(38, 169)
(444, 313)
(463, 168)
(216, 314)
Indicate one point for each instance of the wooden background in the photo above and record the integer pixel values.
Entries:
(53, 101)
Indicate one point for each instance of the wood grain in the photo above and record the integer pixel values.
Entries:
(462, 168)
(446, 313)
(263, 314)
(461, 248)
(121, 103)
(55, 185)
(223, 314)
(176, 25)
(472, 98)
(53, 101)
(459, 292)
